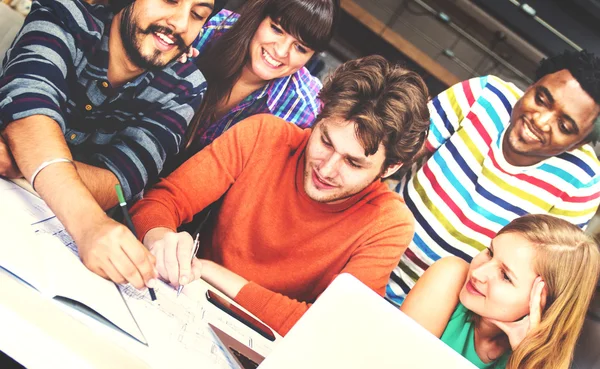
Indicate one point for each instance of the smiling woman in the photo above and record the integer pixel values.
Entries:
(254, 63)
(518, 301)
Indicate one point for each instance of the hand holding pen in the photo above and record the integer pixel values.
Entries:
(127, 220)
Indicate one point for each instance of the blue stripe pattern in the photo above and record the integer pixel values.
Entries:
(57, 67)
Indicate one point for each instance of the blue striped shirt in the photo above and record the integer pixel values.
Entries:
(292, 98)
(57, 66)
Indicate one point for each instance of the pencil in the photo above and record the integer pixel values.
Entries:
(127, 218)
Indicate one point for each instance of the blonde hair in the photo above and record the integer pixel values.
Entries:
(568, 261)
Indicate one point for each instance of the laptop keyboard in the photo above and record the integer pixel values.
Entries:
(244, 360)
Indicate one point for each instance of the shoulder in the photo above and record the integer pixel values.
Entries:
(448, 266)
(387, 211)
(81, 20)
(296, 93)
(223, 19)
(580, 167)
(447, 274)
(269, 130)
(305, 86)
(216, 26)
(184, 77)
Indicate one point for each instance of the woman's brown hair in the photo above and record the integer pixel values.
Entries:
(310, 21)
(388, 103)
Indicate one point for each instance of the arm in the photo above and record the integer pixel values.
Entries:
(33, 90)
(579, 197)
(105, 247)
(433, 299)
(198, 182)
(372, 263)
(449, 108)
(100, 182)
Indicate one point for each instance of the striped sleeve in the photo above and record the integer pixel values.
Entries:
(580, 200)
(448, 110)
(35, 69)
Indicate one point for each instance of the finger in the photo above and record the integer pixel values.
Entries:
(195, 53)
(535, 314)
(196, 269)
(113, 274)
(190, 52)
(170, 257)
(185, 248)
(140, 257)
(127, 269)
(183, 58)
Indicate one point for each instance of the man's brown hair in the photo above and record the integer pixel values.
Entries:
(388, 103)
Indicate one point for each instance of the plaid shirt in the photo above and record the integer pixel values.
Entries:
(293, 98)
(57, 67)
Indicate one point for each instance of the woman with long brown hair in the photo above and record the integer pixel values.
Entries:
(254, 63)
(520, 304)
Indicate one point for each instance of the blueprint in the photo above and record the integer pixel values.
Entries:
(175, 328)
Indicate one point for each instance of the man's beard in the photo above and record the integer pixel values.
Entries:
(129, 30)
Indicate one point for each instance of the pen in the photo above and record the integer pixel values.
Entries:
(129, 224)
(196, 246)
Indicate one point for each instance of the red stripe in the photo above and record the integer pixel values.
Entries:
(455, 208)
(483, 133)
(468, 93)
(546, 186)
(412, 257)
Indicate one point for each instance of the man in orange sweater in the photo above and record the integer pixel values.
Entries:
(298, 206)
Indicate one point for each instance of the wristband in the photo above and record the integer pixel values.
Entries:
(47, 164)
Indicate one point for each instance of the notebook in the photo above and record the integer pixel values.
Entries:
(351, 327)
(42, 261)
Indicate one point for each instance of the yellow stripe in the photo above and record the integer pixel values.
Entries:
(509, 86)
(573, 213)
(471, 146)
(442, 219)
(523, 195)
(456, 108)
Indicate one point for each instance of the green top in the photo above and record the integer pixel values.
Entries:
(459, 335)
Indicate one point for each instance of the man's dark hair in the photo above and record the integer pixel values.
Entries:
(585, 68)
(118, 5)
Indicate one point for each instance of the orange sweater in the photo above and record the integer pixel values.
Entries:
(268, 230)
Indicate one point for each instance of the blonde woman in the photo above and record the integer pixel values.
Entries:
(521, 302)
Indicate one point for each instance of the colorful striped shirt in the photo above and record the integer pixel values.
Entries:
(57, 66)
(466, 191)
(292, 98)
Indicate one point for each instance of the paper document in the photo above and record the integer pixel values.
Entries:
(42, 261)
(175, 328)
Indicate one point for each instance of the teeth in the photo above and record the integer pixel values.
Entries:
(165, 38)
(270, 60)
(530, 134)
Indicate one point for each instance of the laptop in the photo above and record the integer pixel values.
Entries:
(352, 327)
(239, 355)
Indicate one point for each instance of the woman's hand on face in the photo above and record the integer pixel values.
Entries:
(518, 330)
(191, 53)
